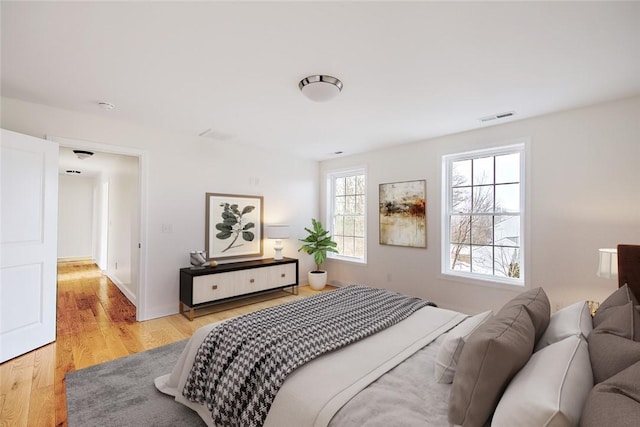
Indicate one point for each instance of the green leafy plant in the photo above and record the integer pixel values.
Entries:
(233, 225)
(318, 243)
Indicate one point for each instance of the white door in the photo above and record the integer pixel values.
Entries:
(28, 243)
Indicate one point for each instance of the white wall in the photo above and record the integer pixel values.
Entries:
(584, 174)
(75, 211)
(122, 226)
(181, 169)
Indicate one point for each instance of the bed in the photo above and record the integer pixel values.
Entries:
(434, 367)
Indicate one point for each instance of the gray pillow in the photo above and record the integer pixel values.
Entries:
(620, 297)
(494, 353)
(537, 305)
(615, 402)
(610, 354)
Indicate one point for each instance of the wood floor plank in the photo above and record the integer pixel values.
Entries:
(42, 406)
(17, 393)
(95, 324)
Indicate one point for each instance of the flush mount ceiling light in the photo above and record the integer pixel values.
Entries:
(320, 88)
(83, 154)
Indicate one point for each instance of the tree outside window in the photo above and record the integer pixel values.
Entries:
(484, 214)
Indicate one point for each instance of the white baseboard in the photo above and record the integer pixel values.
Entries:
(123, 288)
(160, 312)
(75, 258)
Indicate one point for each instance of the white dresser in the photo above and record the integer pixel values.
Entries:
(204, 287)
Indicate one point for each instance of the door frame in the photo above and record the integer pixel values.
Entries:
(142, 155)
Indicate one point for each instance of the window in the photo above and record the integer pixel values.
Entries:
(347, 209)
(483, 214)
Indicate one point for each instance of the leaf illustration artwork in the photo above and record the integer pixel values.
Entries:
(235, 225)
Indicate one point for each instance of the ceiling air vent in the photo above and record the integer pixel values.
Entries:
(497, 116)
(72, 172)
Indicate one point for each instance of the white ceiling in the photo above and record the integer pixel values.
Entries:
(411, 70)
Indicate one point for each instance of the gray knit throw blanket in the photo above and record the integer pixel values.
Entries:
(242, 363)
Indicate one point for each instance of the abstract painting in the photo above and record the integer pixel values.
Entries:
(403, 214)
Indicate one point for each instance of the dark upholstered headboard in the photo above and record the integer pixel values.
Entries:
(629, 267)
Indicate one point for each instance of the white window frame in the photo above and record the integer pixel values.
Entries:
(330, 180)
(519, 146)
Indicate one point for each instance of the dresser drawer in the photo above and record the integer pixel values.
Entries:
(282, 275)
(214, 287)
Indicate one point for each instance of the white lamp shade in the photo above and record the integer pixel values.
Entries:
(608, 263)
(277, 231)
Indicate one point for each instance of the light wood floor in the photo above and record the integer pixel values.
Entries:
(96, 323)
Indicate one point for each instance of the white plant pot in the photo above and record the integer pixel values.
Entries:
(317, 280)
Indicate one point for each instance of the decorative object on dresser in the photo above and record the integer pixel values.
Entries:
(318, 243)
(277, 232)
(198, 259)
(226, 282)
(403, 214)
(233, 225)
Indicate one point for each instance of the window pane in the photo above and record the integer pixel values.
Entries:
(508, 168)
(507, 231)
(483, 199)
(461, 173)
(507, 262)
(350, 205)
(339, 187)
(461, 199)
(348, 246)
(360, 184)
(460, 229)
(350, 185)
(339, 206)
(483, 171)
(508, 198)
(482, 259)
(482, 230)
(349, 226)
(358, 226)
(339, 243)
(460, 258)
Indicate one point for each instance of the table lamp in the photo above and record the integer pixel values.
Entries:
(278, 232)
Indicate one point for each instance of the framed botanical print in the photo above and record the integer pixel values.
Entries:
(233, 226)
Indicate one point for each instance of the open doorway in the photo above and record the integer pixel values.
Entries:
(100, 212)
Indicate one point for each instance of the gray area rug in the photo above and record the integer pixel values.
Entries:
(121, 392)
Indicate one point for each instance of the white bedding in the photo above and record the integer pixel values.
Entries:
(314, 393)
(406, 396)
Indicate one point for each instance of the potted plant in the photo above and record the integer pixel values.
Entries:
(318, 243)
